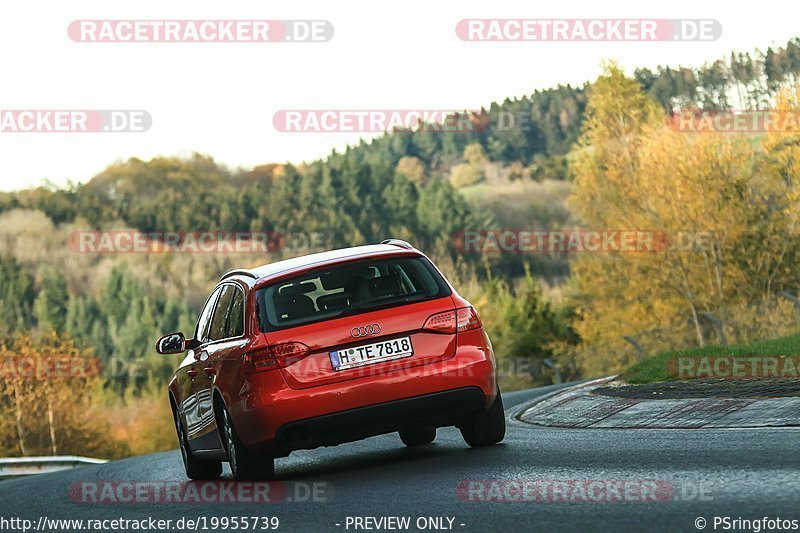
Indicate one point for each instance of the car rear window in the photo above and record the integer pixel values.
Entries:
(348, 289)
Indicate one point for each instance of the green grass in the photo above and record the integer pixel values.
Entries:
(654, 369)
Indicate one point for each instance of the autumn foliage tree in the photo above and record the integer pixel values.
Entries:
(727, 213)
(45, 390)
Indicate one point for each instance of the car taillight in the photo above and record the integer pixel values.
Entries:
(272, 357)
(259, 361)
(468, 319)
(462, 319)
(441, 322)
(289, 353)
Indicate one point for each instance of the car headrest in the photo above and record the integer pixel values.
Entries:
(384, 286)
(294, 306)
(297, 288)
(333, 301)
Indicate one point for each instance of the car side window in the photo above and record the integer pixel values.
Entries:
(201, 331)
(217, 330)
(235, 324)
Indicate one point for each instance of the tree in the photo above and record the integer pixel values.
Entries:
(475, 155)
(412, 168)
(632, 172)
(442, 211)
(82, 312)
(530, 326)
(119, 294)
(16, 297)
(45, 390)
(472, 170)
(50, 306)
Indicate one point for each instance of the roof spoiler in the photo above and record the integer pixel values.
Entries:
(239, 272)
(398, 242)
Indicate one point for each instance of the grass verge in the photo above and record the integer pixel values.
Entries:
(657, 368)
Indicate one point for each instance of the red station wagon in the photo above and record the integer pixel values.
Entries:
(325, 349)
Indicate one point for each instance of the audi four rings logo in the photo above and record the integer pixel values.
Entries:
(363, 331)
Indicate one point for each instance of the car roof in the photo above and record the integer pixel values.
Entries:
(297, 263)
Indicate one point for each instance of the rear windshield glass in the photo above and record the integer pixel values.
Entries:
(348, 289)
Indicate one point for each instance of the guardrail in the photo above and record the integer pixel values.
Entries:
(12, 467)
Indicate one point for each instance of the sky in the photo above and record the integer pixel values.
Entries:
(220, 98)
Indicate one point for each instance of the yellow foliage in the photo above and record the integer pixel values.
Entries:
(738, 208)
(143, 422)
(46, 394)
(466, 174)
(412, 168)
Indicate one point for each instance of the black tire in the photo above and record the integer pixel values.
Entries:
(195, 468)
(487, 427)
(418, 436)
(244, 465)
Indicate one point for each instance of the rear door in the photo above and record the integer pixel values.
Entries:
(359, 319)
(226, 339)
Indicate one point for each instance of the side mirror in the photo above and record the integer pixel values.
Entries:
(172, 343)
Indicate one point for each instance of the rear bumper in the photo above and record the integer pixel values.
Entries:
(273, 419)
(444, 408)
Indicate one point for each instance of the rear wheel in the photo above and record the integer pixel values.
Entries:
(418, 436)
(244, 465)
(487, 427)
(195, 468)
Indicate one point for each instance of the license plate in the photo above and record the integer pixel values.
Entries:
(370, 354)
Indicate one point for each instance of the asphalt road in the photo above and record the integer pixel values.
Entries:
(742, 473)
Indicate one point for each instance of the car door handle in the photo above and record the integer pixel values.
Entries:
(210, 371)
(192, 373)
